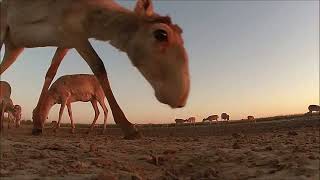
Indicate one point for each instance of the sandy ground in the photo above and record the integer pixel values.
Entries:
(283, 149)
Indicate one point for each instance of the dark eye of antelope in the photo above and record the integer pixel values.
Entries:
(160, 35)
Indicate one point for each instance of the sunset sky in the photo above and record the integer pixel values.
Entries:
(256, 58)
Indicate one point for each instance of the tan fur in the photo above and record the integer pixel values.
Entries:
(7, 106)
(251, 118)
(315, 108)
(70, 23)
(73, 88)
(211, 118)
(191, 120)
(225, 116)
(5, 89)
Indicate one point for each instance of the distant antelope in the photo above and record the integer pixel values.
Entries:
(224, 116)
(315, 108)
(14, 112)
(7, 106)
(211, 118)
(191, 120)
(72, 88)
(251, 118)
(180, 121)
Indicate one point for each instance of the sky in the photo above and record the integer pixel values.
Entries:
(257, 58)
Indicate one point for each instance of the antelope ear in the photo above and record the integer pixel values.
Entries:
(144, 7)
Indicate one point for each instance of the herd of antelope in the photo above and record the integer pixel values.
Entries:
(85, 88)
(225, 116)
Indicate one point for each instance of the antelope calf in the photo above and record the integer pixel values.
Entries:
(73, 88)
(224, 116)
(315, 108)
(7, 106)
(211, 118)
(14, 112)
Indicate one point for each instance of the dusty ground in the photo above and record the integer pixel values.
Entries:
(283, 149)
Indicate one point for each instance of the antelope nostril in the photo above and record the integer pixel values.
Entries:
(181, 106)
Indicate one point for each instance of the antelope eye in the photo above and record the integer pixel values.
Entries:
(160, 35)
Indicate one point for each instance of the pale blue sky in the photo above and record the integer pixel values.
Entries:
(256, 58)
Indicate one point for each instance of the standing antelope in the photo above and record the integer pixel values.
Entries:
(191, 120)
(72, 88)
(179, 121)
(251, 118)
(315, 108)
(6, 106)
(211, 118)
(152, 42)
(224, 116)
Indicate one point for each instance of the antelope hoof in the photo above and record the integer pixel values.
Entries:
(72, 131)
(36, 132)
(55, 130)
(134, 135)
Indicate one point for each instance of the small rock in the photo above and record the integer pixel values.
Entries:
(196, 139)
(190, 164)
(136, 177)
(93, 148)
(4, 172)
(236, 146)
(211, 172)
(106, 176)
(269, 148)
(292, 133)
(237, 135)
(169, 151)
(79, 165)
(129, 176)
(311, 156)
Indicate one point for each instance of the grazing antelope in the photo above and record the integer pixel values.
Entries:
(225, 116)
(72, 88)
(14, 112)
(315, 108)
(251, 118)
(179, 121)
(152, 42)
(7, 106)
(211, 118)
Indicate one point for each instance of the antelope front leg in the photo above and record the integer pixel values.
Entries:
(10, 55)
(55, 63)
(105, 110)
(63, 105)
(52, 71)
(91, 57)
(9, 120)
(71, 118)
(96, 114)
(2, 104)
